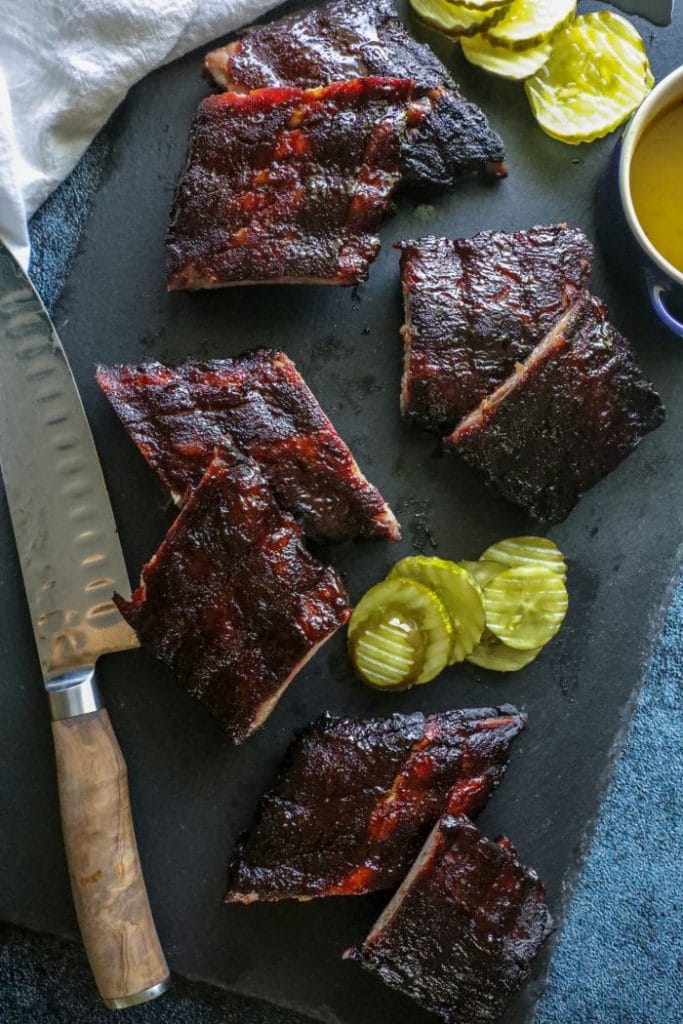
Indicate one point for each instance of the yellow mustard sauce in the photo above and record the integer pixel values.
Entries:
(657, 183)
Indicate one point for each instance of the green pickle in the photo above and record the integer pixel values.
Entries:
(525, 606)
(459, 592)
(457, 20)
(482, 572)
(493, 654)
(399, 635)
(530, 23)
(389, 652)
(478, 5)
(496, 58)
(527, 551)
(597, 74)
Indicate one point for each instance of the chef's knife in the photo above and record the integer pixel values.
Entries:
(71, 561)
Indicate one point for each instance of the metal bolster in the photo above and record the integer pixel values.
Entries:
(74, 693)
(144, 996)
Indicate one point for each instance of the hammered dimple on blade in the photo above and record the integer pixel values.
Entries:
(70, 555)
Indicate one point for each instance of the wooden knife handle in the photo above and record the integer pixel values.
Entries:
(106, 878)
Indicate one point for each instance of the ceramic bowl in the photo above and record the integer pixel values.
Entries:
(620, 232)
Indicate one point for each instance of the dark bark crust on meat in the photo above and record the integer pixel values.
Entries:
(352, 39)
(259, 403)
(453, 139)
(476, 306)
(328, 43)
(565, 419)
(460, 936)
(354, 800)
(232, 601)
(287, 185)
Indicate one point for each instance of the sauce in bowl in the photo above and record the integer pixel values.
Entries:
(657, 183)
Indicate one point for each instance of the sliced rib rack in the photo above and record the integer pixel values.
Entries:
(353, 39)
(355, 800)
(475, 306)
(287, 185)
(260, 404)
(565, 418)
(460, 935)
(232, 601)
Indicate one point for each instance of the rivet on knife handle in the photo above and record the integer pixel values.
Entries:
(106, 877)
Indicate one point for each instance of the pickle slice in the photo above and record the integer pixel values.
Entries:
(596, 76)
(478, 5)
(460, 594)
(529, 23)
(525, 606)
(493, 654)
(493, 57)
(400, 603)
(389, 652)
(482, 571)
(456, 20)
(527, 551)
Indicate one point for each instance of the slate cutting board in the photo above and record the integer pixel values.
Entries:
(192, 792)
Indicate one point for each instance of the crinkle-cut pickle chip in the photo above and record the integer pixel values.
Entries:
(527, 551)
(529, 23)
(456, 20)
(401, 600)
(525, 606)
(514, 64)
(493, 654)
(596, 76)
(389, 653)
(482, 571)
(478, 5)
(458, 591)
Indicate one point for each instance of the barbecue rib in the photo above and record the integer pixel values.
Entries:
(475, 306)
(352, 39)
(355, 800)
(260, 403)
(288, 185)
(565, 418)
(460, 935)
(232, 601)
(330, 43)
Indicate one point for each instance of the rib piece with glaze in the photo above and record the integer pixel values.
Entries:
(232, 601)
(353, 39)
(327, 43)
(288, 185)
(475, 306)
(354, 800)
(260, 404)
(565, 418)
(461, 934)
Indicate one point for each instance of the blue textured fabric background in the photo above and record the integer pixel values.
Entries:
(620, 959)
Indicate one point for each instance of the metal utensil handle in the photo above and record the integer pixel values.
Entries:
(106, 877)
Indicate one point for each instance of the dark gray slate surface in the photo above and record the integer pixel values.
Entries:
(192, 792)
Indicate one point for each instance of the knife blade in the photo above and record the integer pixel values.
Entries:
(71, 562)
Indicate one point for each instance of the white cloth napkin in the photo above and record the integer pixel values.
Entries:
(65, 65)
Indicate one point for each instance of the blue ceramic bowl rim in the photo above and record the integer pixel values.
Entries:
(662, 96)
